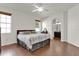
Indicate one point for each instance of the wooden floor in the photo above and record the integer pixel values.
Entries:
(55, 48)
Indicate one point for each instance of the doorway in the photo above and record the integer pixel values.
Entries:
(57, 28)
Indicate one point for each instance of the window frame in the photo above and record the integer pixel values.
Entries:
(6, 23)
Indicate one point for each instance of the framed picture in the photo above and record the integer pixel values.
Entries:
(37, 24)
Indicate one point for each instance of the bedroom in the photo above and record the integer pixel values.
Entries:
(25, 19)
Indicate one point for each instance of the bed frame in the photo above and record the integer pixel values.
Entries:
(34, 46)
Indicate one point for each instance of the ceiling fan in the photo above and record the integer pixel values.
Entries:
(39, 8)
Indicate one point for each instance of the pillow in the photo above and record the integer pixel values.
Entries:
(27, 32)
(21, 32)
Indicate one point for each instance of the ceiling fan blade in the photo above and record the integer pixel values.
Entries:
(34, 10)
(36, 6)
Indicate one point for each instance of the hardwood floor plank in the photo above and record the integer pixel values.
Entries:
(55, 48)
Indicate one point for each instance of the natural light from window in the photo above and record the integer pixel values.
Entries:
(5, 23)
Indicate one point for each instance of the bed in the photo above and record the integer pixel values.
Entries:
(31, 40)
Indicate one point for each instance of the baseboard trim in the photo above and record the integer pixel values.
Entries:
(73, 43)
(70, 43)
(8, 43)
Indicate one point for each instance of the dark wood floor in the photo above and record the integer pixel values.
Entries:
(55, 48)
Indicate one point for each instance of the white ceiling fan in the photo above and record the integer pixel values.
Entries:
(39, 8)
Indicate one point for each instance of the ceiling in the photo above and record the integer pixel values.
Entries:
(28, 7)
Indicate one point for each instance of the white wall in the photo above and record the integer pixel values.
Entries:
(19, 21)
(73, 25)
(49, 23)
(64, 26)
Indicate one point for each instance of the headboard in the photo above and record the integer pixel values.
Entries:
(18, 31)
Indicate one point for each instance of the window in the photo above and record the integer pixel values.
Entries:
(5, 22)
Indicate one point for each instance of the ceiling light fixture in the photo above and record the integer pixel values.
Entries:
(40, 9)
